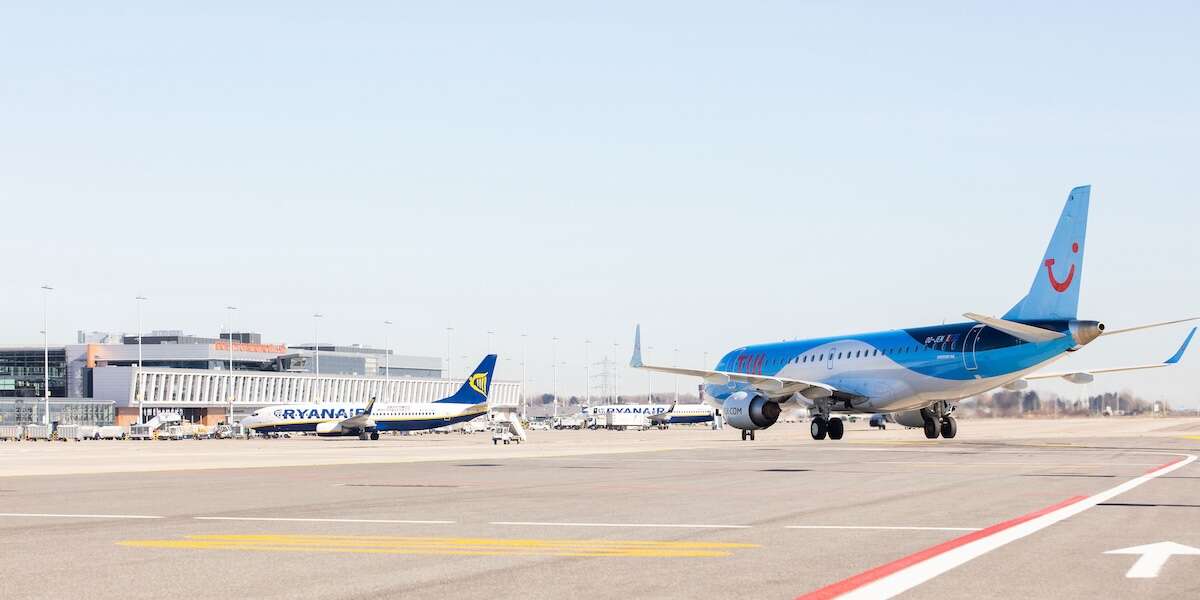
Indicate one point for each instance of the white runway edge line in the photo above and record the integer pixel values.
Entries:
(317, 520)
(670, 525)
(906, 573)
(882, 527)
(66, 516)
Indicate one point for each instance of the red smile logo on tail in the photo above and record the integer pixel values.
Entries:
(1062, 286)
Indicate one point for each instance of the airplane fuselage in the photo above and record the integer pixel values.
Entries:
(384, 417)
(901, 369)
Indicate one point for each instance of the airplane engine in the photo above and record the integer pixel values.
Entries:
(329, 428)
(748, 410)
(909, 418)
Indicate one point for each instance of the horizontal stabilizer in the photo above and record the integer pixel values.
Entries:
(1141, 327)
(1089, 375)
(1029, 333)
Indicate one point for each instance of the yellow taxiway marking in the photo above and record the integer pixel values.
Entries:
(446, 546)
(1191, 437)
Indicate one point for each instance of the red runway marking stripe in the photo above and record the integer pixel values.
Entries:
(857, 581)
(1164, 465)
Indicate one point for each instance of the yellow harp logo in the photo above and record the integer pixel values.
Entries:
(478, 382)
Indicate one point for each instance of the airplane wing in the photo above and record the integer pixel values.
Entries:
(1089, 375)
(771, 386)
(361, 420)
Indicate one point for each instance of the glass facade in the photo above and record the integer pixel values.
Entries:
(22, 372)
(23, 412)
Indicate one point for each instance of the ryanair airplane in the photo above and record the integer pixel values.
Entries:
(919, 374)
(468, 402)
(656, 414)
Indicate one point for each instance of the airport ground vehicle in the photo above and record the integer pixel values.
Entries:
(919, 374)
(12, 432)
(622, 421)
(502, 434)
(67, 432)
(569, 422)
(879, 421)
(475, 426)
(147, 430)
(539, 426)
(111, 432)
(37, 432)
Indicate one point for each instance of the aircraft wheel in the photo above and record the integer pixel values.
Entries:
(949, 427)
(745, 434)
(933, 428)
(836, 429)
(364, 436)
(818, 428)
(374, 435)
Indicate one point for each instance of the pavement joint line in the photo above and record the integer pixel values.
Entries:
(883, 527)
(894, 578)
(447, 546)
(663, 525)
(330, 520)
(70, 516)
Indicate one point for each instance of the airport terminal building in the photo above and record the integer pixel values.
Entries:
(193, 376)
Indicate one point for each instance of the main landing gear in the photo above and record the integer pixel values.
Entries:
(939, 423)
(822, 426)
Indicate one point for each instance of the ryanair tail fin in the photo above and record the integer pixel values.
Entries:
(475, 389)
(1055, 290)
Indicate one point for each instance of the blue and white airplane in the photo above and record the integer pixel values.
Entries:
(919, 374)
(469, 402)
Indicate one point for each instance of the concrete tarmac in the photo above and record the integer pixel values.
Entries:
(684, 513)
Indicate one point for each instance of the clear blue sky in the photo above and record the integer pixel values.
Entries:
(724, 174)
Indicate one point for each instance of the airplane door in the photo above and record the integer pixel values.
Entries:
(829, 363)
(968, 348)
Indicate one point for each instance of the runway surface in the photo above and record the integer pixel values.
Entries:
(696, 514)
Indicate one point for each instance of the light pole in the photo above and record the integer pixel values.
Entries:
(523, 401)
(587, 368)
(140, 392)
(649, 380)
(229, 416)
(449, 374)
(316, 344)
(317, 357)
(675, 359)
(140, 300)
(45, 356)
(387, 360)
(616, 374)
(554, 373)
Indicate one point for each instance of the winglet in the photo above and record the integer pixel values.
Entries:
(1179, 354)
(636, 360)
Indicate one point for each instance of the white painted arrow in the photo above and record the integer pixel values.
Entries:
(1154, 556)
